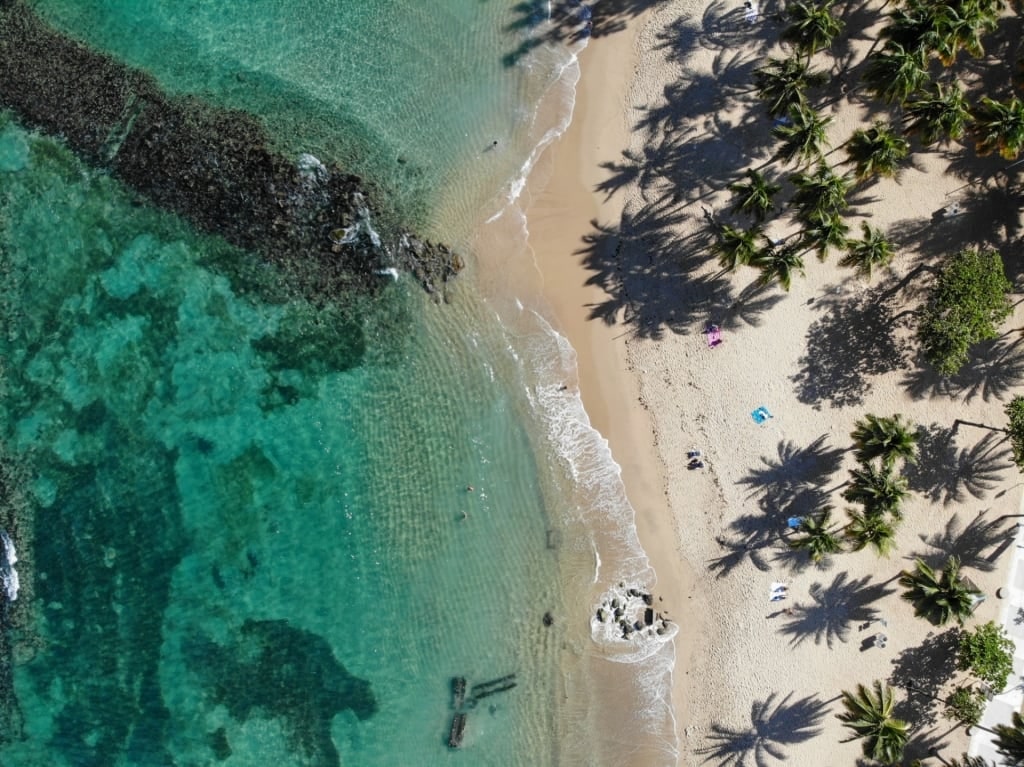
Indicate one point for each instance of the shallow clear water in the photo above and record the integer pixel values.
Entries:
(244, 526)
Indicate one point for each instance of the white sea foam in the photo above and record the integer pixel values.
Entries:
(8, 574)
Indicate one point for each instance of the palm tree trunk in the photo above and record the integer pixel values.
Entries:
(959, 421)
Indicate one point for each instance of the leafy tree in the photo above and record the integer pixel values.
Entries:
(895, 73)
(965, 705)
(821, 193)
(940, 115)
(869, 714)
(812, 27)
(824, 232)
(878, 490)
(778, 264)
(736, 247)
(873, 251)
(817, 539)
(999, 127)
(1015, 428)
(938, 596)
(804, 136)
(965, 305)
(783, 83)
(888, 439)
(1010, 741)
(754, 196)
(877, 151)
(987, 653)
(870, 529)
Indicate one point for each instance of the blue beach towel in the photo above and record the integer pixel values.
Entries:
(761, 414)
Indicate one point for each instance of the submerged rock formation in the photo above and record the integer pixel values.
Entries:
(211, 165)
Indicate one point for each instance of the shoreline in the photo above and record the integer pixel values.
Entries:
(654, 389)
(560, 216)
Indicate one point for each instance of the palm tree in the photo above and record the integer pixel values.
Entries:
(803, 136)
(871, 529)
(865, 255)
(895, 73)
(999, 126)
(817, 540)
(820, 194)
(824, 232)
(1010, 740)
(877, 151)
(939, 115)
(813, 26)
(779, 264)
(869, 714)
(754, 196)
(938, 596)
(957, 26)
(886, 438)
(782, 83)
(879, 491)
(736, 247)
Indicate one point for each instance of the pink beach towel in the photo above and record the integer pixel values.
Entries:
(714, 336)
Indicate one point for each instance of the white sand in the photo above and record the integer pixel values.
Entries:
(656, 390)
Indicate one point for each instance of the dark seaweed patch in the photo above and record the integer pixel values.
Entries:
(275, 670)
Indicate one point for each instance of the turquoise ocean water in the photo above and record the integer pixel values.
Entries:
(243, 526)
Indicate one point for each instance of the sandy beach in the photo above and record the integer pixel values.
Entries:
(665, 118)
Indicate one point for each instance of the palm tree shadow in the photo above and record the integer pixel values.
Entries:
(923, 670)
(853, 341)
(922, 745)
(947, 474)
(773, 727)
(834, 609)
(792, 483)
(968, 544)
(995, 369)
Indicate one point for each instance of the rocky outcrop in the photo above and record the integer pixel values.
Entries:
(213, 166)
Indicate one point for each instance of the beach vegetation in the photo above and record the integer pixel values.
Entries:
(886, 439)
(880, 490)
(804, 135)
(817, 536)
(939, 596)
(895, 73)
(812, 26)
(986, 653)
(754, 196)
(1015, 428)
(778, 264)
(965, 704)
(940, 115)
(820, 193)
(736, 247)
(999, 127)
(872, 251)
(825, 232)
(783, 83)
(964, 306)
(869, 713)
(877, 151)
(870, 529)
(1010, 741)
